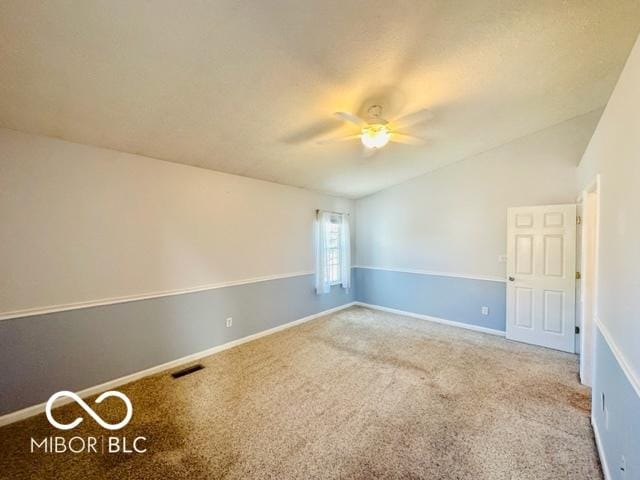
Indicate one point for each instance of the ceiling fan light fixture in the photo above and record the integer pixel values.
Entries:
(375, 135)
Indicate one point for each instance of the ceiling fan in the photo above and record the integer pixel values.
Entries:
(376, 132)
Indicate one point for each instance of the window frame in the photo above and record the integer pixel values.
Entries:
(335, 221)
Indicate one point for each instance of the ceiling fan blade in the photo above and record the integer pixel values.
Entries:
(351, 118)
(407, 139)
(337, 139)
(414, 117)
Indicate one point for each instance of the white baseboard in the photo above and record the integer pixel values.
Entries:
(434, 319)
(603, 458)
(110, 385)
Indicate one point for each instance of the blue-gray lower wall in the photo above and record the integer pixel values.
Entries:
(617, 419)
(77, 349)
(450, 298)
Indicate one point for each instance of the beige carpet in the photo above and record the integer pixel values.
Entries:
(359, 394)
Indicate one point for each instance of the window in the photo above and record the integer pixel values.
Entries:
(333, 251)
(333, 257)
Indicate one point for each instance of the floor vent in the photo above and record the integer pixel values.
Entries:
(187, 371)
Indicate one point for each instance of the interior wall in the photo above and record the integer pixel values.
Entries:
(453, 220)
(92, 240)
(451, 223)
(81, 223)
(614, 153)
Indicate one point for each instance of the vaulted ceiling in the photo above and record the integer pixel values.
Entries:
(249, 87)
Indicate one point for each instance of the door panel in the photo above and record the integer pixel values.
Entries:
(524, 220)
(553, 219)
(524, 254)
(553, 255)
(553, 311)
(524, 306)
(540, 266)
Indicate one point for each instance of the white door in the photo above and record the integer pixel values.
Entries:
(541, 259)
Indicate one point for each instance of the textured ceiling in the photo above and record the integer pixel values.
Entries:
(248, 87)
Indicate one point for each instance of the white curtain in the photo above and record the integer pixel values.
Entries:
(322, 240)
(345, 253)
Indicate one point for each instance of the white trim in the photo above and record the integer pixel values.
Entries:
(451, 323)
(144, 296)
(632, 376)
(488, 278)
(27, 312)
(110, 385)
(603, 458)
(587, 327)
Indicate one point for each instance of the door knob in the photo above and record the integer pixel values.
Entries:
(511, 279)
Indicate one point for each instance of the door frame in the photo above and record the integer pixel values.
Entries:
(588, 300)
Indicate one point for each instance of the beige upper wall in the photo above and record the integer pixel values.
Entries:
(81, 223)
(614, 153)
(453, 220)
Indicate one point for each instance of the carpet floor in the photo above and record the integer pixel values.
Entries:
(359, 394)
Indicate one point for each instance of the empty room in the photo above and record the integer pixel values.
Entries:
(309, 239)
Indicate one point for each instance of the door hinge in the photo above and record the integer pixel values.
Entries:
(578, 219)
(577, 330)
(578, 276)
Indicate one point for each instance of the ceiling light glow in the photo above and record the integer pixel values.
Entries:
(375, 136)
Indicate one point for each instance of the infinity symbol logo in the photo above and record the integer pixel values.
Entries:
(89, 410)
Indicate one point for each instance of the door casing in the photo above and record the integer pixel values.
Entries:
(588, 299)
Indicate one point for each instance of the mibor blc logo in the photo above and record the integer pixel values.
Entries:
(89, 410)
(89, 444)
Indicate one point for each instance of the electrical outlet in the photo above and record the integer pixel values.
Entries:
(502, 258)
(484, 310)
(229, 321)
